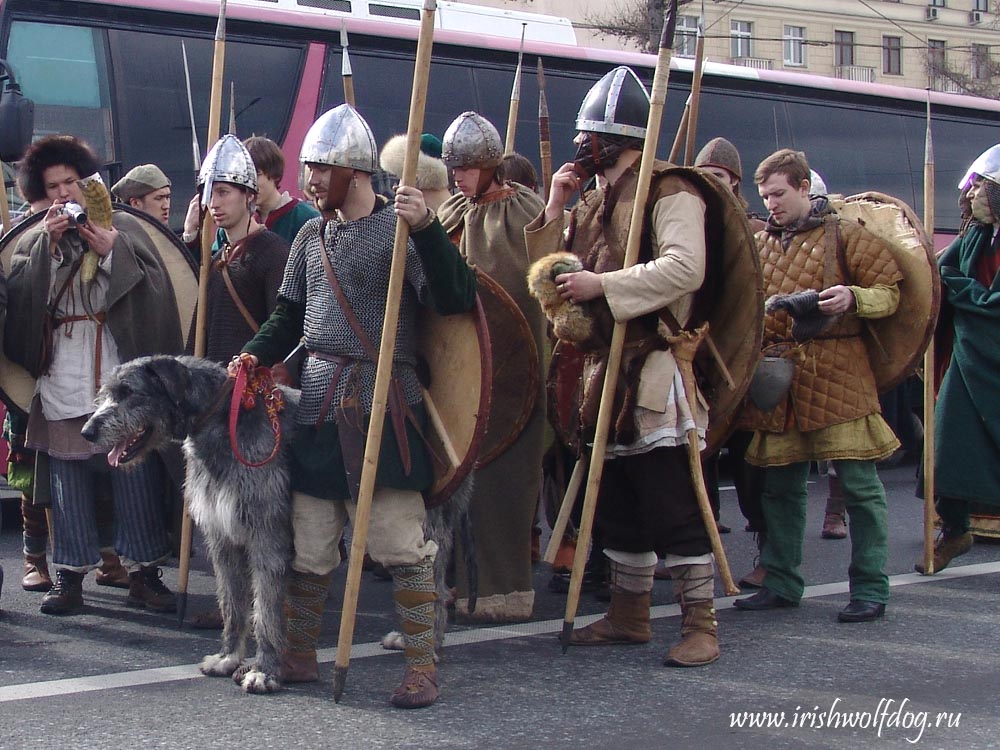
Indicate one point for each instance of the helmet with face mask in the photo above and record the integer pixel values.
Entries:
(227, 161)
(341, 138)
(471, 142)
(612, 119)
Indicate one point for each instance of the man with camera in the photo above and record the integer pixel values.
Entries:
(70, 321)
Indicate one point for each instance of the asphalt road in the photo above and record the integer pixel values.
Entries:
(925, 676)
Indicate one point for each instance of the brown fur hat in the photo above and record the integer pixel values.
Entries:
(431, 172)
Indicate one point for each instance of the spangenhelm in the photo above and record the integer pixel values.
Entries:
(228, 161)
(986, 165)
(471, 142)
(617, 104)
(817, 185)
(341, 138)
(720, 153)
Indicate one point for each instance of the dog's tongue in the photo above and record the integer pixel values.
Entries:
(115, 454)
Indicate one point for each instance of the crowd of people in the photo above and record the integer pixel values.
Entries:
(287, 270)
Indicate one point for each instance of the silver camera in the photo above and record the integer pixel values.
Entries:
(76, 213)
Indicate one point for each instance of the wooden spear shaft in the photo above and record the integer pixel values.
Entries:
(383, 373)
(201, 321)
(544, 138)
(692, 124)
(657, 99)
(929, 512)
(515, 99)
(4, 208)
(681, 134)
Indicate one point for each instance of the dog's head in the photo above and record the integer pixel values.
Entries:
(142, 407)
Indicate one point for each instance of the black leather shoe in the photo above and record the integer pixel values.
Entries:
(764, 599)
(858, 610)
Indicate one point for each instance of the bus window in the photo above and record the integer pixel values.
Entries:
(64, 70)
(151, 97)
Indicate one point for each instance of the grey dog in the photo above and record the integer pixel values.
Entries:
(243, 512)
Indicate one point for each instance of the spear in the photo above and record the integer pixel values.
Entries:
(4, 208)
(195, 147)
(681, 134)
(201, 321)
(383, 372)
(657, 100)
(346, 74)
(515, 98)
(929, 513)
(544, 139)
(232, 108)
(692, 124)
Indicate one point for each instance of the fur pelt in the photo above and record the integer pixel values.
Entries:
(243, 512)
(432, 174)
(571, 322)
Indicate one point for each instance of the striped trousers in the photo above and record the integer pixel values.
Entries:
(140, 534)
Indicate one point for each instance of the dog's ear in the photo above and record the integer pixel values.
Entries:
(173, 378)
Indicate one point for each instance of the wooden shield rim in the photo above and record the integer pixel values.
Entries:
(887, 377)
(531, 388)
(11, 391)
(439, 495)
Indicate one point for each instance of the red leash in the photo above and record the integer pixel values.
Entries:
(247, 389)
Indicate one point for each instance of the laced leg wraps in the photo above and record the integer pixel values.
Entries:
(627, 620)
(694, 585)
(415, 594)
(304, 603)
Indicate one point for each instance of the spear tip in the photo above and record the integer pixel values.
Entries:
(669, 26)
(339, 681)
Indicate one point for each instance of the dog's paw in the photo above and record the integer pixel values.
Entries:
(257, 682)
(219, 665)
(393, 641)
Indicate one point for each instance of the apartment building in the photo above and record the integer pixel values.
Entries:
(951, 45)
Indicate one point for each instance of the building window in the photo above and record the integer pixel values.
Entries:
(981, 5)
(740, 33)
(843, 48)
(936, 3)
(687, 36)
(795, 51)
(892, 55)
(979, 62)
(935, 56)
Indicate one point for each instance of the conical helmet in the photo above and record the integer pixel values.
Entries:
(987, 165)
(228, 161)
(817, 185)
(471, 141)
(341, 138)
(720, 153)
(617, 104)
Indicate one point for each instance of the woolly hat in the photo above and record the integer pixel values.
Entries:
(719, 152)
(431, 171)
(140, 181)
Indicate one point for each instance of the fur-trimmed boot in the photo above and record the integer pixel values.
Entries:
(414, 592)
(627, 620)
(699, 644)
(304, 602)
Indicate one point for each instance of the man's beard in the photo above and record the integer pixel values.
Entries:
(598, 151)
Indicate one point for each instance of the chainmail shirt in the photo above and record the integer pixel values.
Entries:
(360, 253)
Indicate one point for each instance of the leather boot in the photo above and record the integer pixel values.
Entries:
(834, 526)
(626, 622)
(304, 602)
(111, 571)
(946, 549)
(66, 596)
(415, 593)
(36, 573)
(699, 644)
(146, 590)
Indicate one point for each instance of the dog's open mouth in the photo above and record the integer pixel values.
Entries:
(127, 449)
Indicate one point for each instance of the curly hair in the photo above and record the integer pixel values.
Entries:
(51, 151)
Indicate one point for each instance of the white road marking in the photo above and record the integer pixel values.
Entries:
(137, 678)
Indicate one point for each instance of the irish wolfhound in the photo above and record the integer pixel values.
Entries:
(243, 512)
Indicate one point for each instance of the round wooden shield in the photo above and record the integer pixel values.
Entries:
(17, 386)
(736, 316)
(516, 369)
(896, 344)
(455, 367)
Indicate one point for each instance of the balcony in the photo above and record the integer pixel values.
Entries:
(859, 73)
(760, 63)
(946, 85)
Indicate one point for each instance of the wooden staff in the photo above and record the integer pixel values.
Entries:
(684, 347)
(569, 500)
(515, 98)
(657, 100)
(201, 321)
(4, 208)
(346, 74)
(692, 124)
(929, 512)
(383, 372)
(544, 138)
(681, 134)
(195, 146)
